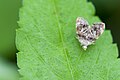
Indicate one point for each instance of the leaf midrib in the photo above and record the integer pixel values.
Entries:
(61, 37)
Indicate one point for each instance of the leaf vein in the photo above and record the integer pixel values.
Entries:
(61, 36)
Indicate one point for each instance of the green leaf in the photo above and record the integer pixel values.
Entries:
(48, 47)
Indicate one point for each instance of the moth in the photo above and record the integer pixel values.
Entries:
(86, 34)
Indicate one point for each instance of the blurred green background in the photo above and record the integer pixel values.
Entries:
(8, 23)
(107, 10)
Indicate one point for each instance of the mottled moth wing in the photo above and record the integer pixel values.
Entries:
(80, 24)
(82, 28)
(97, 29)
